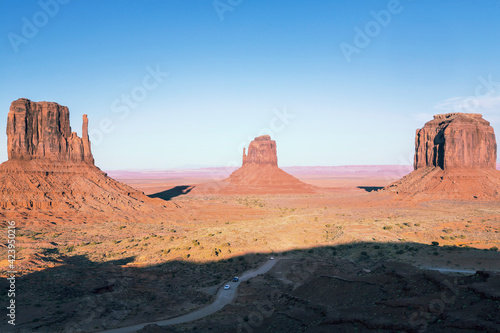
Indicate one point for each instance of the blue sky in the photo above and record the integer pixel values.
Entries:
(189, 83)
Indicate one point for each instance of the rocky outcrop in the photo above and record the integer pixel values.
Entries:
(262, 150)
(455, 158)
(51, 174)
(456, 140)
(42, 131)
(259, 174)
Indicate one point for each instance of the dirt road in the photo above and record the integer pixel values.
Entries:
(222, 298)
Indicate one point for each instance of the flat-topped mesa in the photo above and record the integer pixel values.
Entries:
(262, 150)
(41, 130)
(456, 140)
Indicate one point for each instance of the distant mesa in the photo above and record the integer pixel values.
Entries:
(52, 168)
(259, 174)
(455, 158)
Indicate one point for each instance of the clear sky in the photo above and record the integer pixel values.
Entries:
(189, 83)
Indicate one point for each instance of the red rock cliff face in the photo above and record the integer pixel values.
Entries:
(455, 158)
(456, 140)
(42, 131)
(262, 150)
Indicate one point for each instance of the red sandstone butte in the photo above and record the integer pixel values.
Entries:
(51, 169)
(262, 150)
(455, 158)
(42, 131)
(456, 140)
(259, 174)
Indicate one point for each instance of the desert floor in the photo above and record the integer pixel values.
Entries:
(341, 251)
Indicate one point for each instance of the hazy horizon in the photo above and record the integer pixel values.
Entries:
(175, 83)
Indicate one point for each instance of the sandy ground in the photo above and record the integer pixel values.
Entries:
(114, 272)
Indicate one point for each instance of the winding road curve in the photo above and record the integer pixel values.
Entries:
(222, 298)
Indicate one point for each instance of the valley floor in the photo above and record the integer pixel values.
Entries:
(346, 242)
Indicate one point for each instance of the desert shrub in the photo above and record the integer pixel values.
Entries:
(435, 243)
(400, 252)
(387, 227)
(494, 248)
(70, 248)
(447, 230)
(417, 224)
(376, 247)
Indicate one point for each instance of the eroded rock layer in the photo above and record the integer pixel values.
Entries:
(456, 140)
(42, 131)
(455, 158)
(259, 174)
(262, 150)
(50, 169)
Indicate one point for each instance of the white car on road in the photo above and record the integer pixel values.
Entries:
(226, 287)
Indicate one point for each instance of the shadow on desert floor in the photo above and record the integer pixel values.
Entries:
(366, 283)
(173, 192)
(371, 188)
